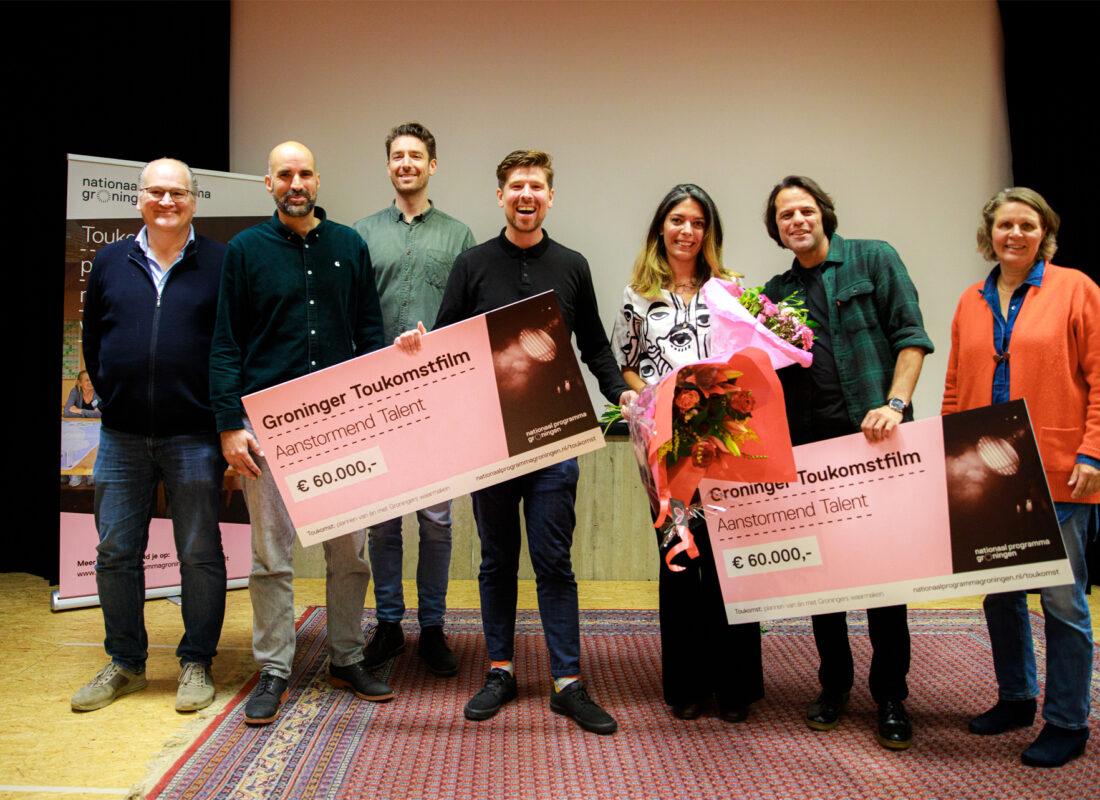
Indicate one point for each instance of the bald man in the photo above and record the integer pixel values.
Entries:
(148, 319)
(297, 295)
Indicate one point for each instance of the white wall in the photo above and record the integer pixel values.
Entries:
(896, 108)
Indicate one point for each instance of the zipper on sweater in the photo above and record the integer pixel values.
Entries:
(153, 364)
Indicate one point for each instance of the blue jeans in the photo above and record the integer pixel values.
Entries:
(432, 568)
(548, 497)
(127, 470)
(1068, 631)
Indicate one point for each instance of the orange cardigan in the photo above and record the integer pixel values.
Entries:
(1054, 365)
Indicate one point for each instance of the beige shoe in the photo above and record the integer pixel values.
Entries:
(111, 683)
(196, 688)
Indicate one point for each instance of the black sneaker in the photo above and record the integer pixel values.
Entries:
(434, 650)
(499, 688)
(387, 642)
(573, 701)
(266, 700)
(358, 679)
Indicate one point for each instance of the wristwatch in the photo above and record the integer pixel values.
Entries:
(897, 404)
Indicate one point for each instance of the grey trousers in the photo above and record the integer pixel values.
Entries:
(271, 582)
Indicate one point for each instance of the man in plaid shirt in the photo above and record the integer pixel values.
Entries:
(868, 350)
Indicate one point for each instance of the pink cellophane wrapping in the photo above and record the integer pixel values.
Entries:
(747, 346)
(733, 328)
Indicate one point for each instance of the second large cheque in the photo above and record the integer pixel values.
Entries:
(485, 400)
(946, 507)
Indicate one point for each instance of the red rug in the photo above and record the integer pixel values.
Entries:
(328, 744)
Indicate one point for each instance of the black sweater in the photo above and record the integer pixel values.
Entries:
(497, 273)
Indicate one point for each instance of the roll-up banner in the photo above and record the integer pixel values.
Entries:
(102, 209)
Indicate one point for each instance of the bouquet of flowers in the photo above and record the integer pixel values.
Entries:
(710, 414)
(789, 319)
(722, 417)
(748, 318)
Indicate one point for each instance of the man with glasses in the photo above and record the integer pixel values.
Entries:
(148, 321)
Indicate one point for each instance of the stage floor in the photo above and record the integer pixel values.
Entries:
(51, 753)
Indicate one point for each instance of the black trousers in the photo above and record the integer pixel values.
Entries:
(701, 653)
(889, 630)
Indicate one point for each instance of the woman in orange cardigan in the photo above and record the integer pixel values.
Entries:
(1032, 330)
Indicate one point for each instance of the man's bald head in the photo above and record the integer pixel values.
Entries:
(293, 149)
(292, 180)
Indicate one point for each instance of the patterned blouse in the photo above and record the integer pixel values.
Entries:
(655, 335)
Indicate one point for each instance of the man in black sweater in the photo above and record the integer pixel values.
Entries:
(520, 263)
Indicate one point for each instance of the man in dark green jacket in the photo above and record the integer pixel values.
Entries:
(297, 295)
(868, 350)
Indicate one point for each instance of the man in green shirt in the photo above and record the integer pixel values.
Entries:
(412, 246)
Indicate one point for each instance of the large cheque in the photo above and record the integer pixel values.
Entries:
(947, 506)
(485, 400)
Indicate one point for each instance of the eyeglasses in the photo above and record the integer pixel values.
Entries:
(157, 193)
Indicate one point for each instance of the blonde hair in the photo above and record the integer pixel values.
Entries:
(651, 270)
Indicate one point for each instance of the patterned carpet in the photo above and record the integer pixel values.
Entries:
(328, 744)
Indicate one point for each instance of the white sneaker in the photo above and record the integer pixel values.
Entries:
(111, 683)
(196, 688)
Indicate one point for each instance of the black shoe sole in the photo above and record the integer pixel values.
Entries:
(273, 717)
(477, 715)
(998, 731)
(817, 725)
(734, 714)
(340, 683)
(893, 744)
(602, 730)
(1042, 765)
(443, 673)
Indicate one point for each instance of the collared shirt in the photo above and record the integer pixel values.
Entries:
(158, 273)
(412, 260)
(873, 315)
(1002, 337)
(289, 306)
(1002, 328)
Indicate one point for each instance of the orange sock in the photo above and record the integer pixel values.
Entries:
(505, 666)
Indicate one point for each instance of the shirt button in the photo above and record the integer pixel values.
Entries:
(307, 246)
(309, 272)
(311, 302)
(313, 363)
(313, 333)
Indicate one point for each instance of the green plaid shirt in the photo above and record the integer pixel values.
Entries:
(873, 315)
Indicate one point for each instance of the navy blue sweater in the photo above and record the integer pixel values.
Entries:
(149, 359)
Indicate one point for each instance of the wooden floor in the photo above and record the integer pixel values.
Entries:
(47, 751)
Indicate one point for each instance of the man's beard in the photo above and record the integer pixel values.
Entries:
(295, 210)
